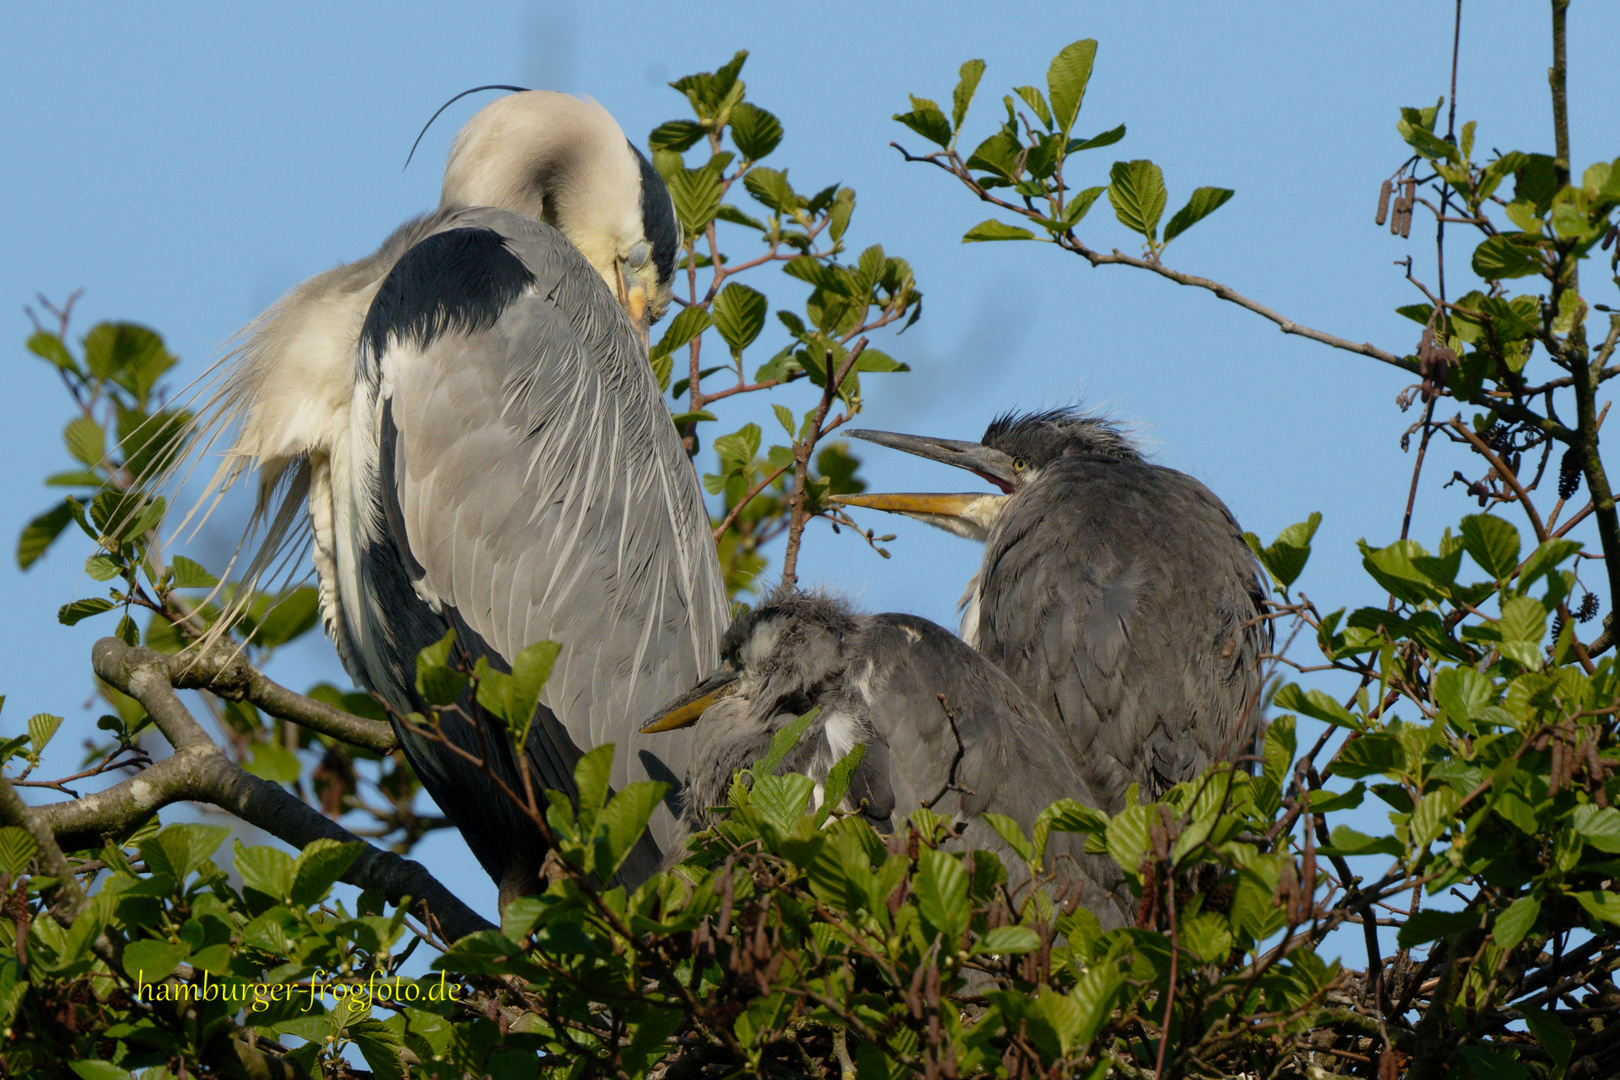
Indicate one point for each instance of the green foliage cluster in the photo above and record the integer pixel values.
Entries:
(770, 489)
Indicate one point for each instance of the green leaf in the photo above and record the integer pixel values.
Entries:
(1285, 558)
(1551, 1033)
(41, 532)
(739, 315)
(1204, 202)
(1492, 543)
(677, 135)
(962, 96)
(623, 820)
(838, 777)
(1546, 556)
(1007, 941)
(1371, 754)
(1127, 837)
(687, 324)
(771, 187)
(274, 762)
(737, 450)
(1136, 189)
(319, 866)
(696, 194)
(129, 354)
(995, 230)
(435, 681)
(293, 613)
(709, 92)
(380, 1045)
(1485, 1064)
(1430, 925)
(591, 779)
(838, 217)
(1317, 705)
(1514, 923)
(191, 575)
(1032, 97)
(17, 848)
(150, 960)
(1107, 138)
(1278, 756)
(1066, 80)
(941, 883)
(783, 742)
(926, 120)
(999, 154)
(1602, 905)
(102, 567)
(781, 800)
(265, 869)
(48, 345)
(755, 131)
(530, 670)
(96, 1069)
(1013, 833)
(86, 440)
(1598, 826)
(1347, 841)
(79, 610)
(1463, 692)
(1507, 255)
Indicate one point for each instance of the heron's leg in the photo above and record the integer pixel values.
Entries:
(521, 878)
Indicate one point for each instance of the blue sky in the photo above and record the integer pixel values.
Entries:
(185, 164)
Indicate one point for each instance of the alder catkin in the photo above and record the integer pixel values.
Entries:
(1569, 473)
(1384, 191)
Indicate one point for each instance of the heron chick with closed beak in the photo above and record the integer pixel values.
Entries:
(942, 727)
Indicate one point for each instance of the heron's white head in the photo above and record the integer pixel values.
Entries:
(566, 161)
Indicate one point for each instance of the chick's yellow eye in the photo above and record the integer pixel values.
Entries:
(1019, 465)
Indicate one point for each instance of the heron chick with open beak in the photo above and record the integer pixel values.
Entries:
(1118, 594)
(941, 725)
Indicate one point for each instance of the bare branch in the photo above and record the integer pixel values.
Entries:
(224, 671)
(201, 772)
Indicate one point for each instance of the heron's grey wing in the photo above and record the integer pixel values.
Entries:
(540, 490)
(982, 749)
(1123, 601)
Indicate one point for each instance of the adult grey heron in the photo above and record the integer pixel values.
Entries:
(470, 417)
(942, 726)
(1118, 594)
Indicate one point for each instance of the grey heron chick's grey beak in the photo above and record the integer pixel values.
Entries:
(685, 710)
(984, 461)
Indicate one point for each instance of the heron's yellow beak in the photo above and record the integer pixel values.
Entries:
(932, 505)
(686, 709)
(970, 515)
(639, 293)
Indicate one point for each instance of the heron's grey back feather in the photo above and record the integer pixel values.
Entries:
(526, 484)
(1121, 597)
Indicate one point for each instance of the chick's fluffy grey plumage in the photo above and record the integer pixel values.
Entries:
(1121, 597)
(880, 680)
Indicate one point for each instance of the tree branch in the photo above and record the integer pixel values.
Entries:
(225, 671)
(200, 771)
